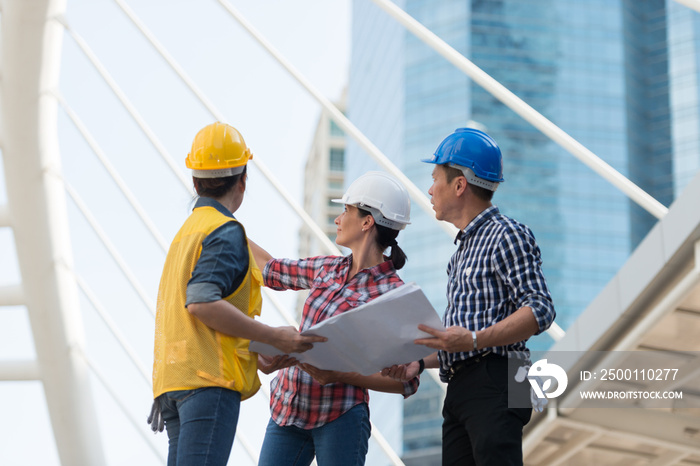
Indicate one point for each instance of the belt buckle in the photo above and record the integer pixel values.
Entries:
(454, 368)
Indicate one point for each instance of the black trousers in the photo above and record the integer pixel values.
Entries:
(478, 426)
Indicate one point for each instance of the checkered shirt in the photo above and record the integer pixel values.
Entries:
(495, 271)
(295, 397)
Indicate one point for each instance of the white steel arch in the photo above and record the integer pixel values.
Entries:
(37, 215)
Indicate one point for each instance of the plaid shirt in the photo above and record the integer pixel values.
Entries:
(295, 397)
(495, 271)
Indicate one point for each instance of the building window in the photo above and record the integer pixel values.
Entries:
(337, 160)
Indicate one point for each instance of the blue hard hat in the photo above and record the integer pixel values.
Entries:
(472, 149)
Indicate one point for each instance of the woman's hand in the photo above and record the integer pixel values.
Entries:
(289, 340)
(269, 364)
(325, 377)
(402, 372)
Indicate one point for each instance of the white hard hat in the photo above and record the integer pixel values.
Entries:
(383, 196)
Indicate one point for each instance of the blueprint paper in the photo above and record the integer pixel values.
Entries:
(373, 336)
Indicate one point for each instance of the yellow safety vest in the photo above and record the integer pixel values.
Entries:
(188, 354)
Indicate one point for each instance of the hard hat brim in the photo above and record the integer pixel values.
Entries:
(379, 218)
(218, 173)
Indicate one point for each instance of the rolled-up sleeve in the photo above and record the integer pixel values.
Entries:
(288, 274)
(222, 265)
(410, 387)
(520, 267)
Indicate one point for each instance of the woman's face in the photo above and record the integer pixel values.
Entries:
(349, 226)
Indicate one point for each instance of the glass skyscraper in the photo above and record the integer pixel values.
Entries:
(620, 76)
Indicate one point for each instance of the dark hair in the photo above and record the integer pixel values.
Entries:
(387, 237)
(217, 187)
(482, 193)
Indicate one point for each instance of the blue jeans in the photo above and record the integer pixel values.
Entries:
(201, 424)
(342, 442)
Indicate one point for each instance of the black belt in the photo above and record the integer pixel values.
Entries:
(462, 363)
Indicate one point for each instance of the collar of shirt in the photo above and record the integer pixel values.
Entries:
(474, 224)
(210, 202)
(375, 271)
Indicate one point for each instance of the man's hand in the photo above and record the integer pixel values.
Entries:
(289, 340)
(453, 339)
(269, 364)
(402, 372)
(325, 377)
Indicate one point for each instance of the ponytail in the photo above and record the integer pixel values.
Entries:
(386, 237)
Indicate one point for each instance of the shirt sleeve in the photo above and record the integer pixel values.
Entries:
(520, 267)
(222, 265)
(288, 274)
(410, 387)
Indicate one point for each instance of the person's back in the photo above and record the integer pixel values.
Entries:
(207, 300)
(188, 353)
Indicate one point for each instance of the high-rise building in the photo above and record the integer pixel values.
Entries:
(620, 76)
(324, 178)
(683, 48)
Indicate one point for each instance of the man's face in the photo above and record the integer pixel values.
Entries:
(441, 193)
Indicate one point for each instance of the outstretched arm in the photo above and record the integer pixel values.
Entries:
(270, 364)
(405, 372)
(261, 256)
(374, 382)
(226, 318)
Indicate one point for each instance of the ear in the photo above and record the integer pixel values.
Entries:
(460, 185)
(367, 222)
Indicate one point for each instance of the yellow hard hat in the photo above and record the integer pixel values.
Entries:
(218, 150)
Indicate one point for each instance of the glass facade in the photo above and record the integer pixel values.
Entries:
(565, 59)
(684, 78)
(376, 81)
(619, 76)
